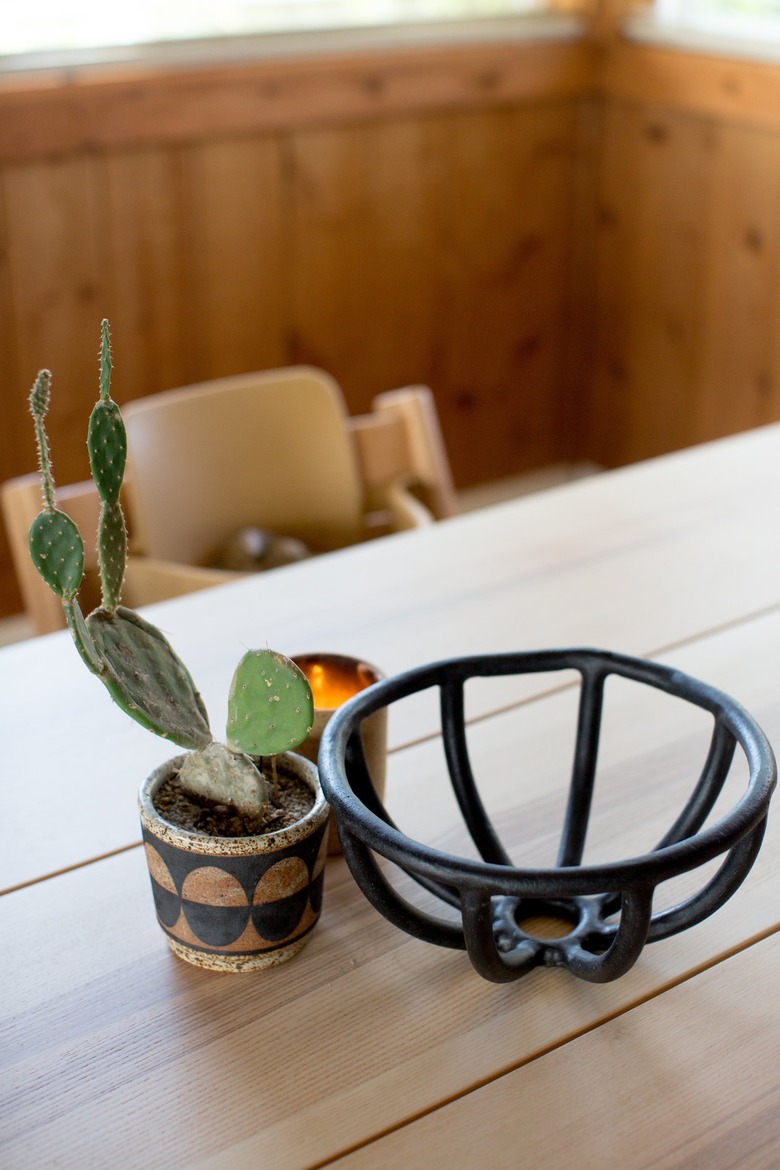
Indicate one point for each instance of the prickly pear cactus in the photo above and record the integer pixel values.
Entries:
(132, 658)
(270, 705)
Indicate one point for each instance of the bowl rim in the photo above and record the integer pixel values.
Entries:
(383, 837)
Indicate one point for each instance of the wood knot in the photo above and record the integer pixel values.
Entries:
(657, 132)
(488, 81)
(754, 239)
(466, 400)
(764, 384)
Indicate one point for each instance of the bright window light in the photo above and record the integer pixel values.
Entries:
(757, 20)
(50, 25)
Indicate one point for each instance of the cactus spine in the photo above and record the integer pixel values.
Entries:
(131, 657)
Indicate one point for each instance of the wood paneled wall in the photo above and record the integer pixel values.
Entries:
(431, 249)
(386, 244)
(576, 244)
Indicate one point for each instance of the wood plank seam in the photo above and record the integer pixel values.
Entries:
(545, 1050)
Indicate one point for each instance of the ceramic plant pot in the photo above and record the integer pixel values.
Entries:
(236, 903)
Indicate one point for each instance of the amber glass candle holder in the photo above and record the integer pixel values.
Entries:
(334, 679)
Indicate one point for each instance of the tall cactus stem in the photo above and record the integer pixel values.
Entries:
(112, 554)
(105, 360)
(107, 445)
(40, 396)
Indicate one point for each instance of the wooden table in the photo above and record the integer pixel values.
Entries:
(372, 1049)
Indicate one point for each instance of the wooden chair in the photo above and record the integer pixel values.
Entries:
(274, 449)
(147, 580)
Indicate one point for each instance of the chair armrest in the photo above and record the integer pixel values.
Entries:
(400, 441)
(406, 511)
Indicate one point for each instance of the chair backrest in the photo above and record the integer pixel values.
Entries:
(21, 503)
(391, 460)
(269, 449)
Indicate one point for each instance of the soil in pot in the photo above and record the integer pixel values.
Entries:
(290, 800)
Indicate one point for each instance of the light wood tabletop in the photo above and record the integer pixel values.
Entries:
(372, 1049)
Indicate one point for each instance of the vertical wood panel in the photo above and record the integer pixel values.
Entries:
(675, 162)
(435, 251)
(687, 282)
(576, 343)
(8, 339)
(52, 298)
(504, 243)
(740, 382)
(233, 249)
(194, 240)
(618, 185)
(10, 452)
(651, 282)
(58, 299)
(140, 243)
(363, 253)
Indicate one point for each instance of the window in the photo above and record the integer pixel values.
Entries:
(51, 25)
(749, 27)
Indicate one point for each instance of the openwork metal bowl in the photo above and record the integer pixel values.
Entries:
(610, 906)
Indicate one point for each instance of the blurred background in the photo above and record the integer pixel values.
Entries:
(564, 219)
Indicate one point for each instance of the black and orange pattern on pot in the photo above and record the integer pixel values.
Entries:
(239, 903)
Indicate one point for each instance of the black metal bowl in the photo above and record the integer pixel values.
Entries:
(609, 907)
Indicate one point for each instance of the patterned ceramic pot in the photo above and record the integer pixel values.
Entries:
(236, 903)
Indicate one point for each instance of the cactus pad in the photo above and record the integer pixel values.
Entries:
(270, 706)
(226, 777)
(40, 395)
(147, 679)
(107, 445)
(57, 551)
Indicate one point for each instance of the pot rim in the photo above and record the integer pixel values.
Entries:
(253, 843)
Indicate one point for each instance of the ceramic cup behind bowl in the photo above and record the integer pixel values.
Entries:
(334, 678)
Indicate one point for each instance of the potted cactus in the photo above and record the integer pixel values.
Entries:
(234, 832)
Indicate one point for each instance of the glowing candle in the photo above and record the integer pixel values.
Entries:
(334, 678)
(334, 681)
